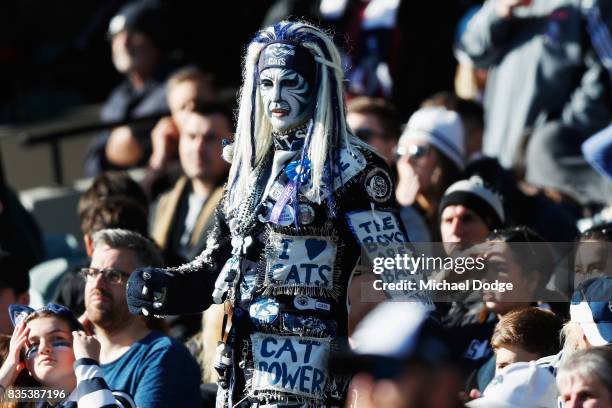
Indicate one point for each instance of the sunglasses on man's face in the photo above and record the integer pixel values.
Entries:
(412, 151)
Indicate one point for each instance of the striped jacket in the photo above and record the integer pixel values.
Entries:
(91, 390)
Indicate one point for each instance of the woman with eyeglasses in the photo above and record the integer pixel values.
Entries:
(51, 344)
(430, 157)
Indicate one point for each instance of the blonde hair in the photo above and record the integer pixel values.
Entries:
(571, 338)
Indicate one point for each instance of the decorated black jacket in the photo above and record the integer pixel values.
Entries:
(289, 292)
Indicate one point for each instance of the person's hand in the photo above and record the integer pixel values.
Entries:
(85, 346)
(146, 291)
(505, 8)
(86, 323)
(408, 183)
(13, 364)
(122, 148)
(164, 139)
(360, 392)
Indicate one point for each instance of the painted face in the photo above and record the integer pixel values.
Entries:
(286, 97)
(50, 357)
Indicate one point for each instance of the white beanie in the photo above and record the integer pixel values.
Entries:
(439, 127)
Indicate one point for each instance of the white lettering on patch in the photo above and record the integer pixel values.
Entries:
(292, 364)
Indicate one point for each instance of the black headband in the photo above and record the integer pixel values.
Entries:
(282, 54)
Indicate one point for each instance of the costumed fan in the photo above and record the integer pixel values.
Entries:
(302, 197)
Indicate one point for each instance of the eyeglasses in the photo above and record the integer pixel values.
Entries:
(413, 151)
(111, 275)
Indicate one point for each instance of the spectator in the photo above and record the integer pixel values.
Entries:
(531, 207)
(521, 256)
(472, 119)
(515, 255)
(522, 385)
(113, 212)
(585, 379)
(590, 321)
(524, 335)
(138, 41)
(469, 212)
(185, 213)
(409, 367)
(113, 200)
(14, 286)
(431, 155)
(110, 184)
(375, 121)
(185, 89)
(590, 312)
(521, 335)
(536, 82)
(48, 342)
(157, 370)
(592, 254)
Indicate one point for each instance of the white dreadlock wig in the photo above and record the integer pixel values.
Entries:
(254, 131)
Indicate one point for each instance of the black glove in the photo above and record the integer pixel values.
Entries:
(147, 291)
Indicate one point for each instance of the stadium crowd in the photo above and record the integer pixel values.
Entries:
(512, 160)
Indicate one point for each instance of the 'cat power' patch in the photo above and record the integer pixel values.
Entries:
(291, 364)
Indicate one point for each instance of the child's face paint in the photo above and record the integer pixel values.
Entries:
(49, 355)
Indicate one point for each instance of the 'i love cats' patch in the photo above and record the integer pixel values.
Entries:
(300, 264)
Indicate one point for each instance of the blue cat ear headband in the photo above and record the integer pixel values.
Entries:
(18, 313)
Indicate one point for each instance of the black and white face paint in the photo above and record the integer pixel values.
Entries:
(286, 76)
(287, 98)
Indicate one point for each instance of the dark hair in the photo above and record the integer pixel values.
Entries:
(111, 184)
(114, 212)
(602, 232)
(384, 111)
(532, 329)
(205, 109)
(535, 256)
(470, 111)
